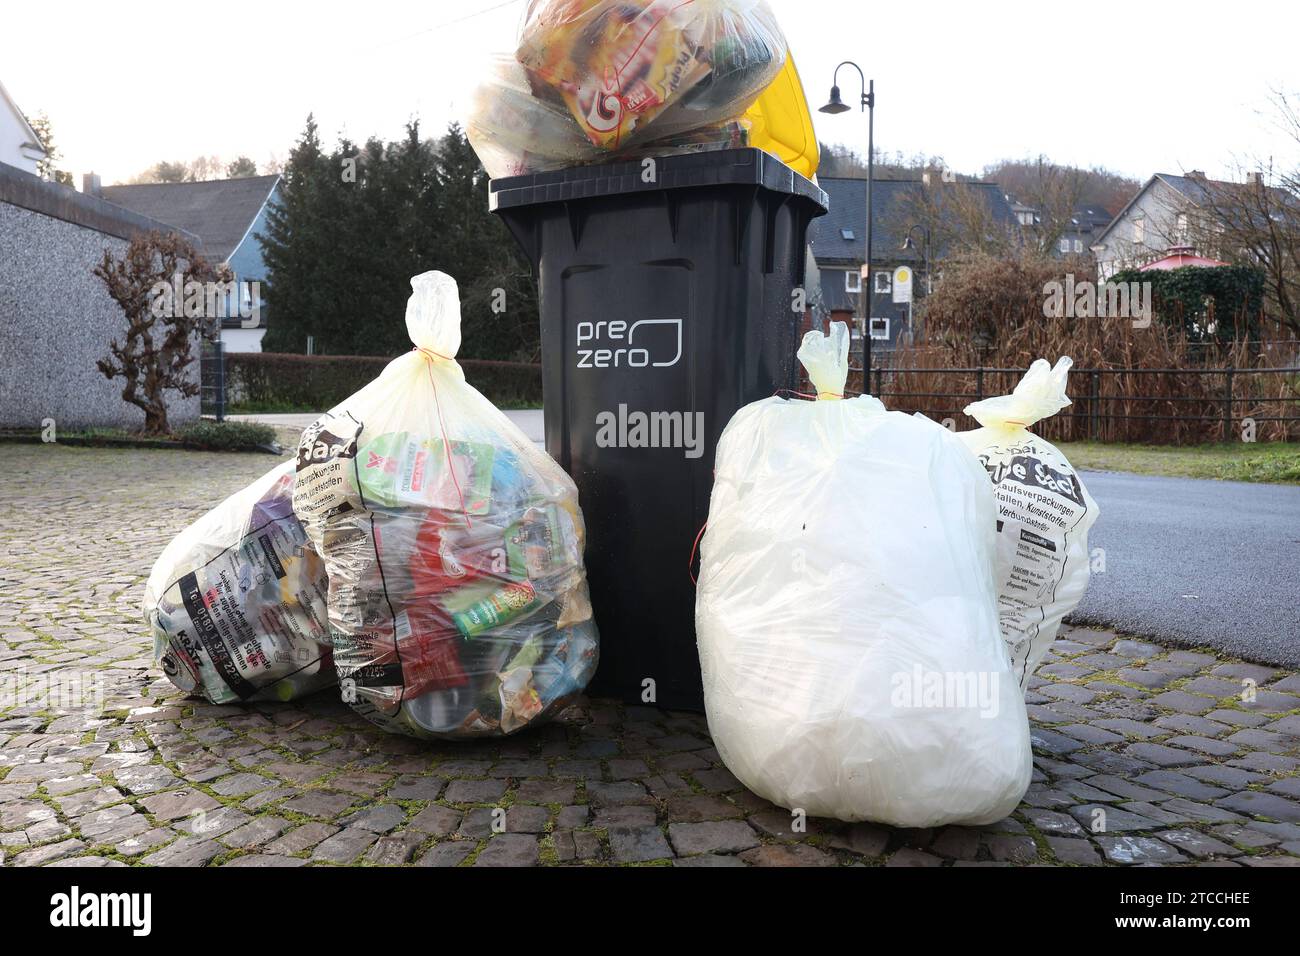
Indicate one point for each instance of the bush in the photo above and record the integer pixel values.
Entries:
(1228, 297)
(228, 436)
(985, 322)
(274, 381)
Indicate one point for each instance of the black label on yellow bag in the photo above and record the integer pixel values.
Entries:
(1033, 473)
(206, 630)
(320, 443)
(272, 559)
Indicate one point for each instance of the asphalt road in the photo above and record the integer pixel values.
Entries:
(1213, 563)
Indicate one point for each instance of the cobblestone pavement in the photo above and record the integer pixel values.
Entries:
(1159, 740)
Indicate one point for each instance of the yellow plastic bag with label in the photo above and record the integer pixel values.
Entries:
(1044, 513)
(236, 601)
(457, 594)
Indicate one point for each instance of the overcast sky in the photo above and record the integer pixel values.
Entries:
(1134, 86)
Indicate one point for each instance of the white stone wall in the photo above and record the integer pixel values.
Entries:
(56, 319)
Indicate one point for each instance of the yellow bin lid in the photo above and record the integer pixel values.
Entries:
(780, 123)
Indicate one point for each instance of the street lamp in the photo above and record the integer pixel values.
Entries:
(836, 105)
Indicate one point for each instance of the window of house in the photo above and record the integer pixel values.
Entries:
(1078, 245)
(1139, 231)
(1182, 224)
(884, 282)
(852, 281)
(1064, 245)
(846, 234)
(879, 327)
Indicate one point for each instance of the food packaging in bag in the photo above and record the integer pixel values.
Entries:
(597, 81)
(625, 69)
(457, 593)
(236, 601)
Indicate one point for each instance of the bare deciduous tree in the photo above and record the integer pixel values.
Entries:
(1252, 222)
(154, 355)
(959, 216)
(1052, 190)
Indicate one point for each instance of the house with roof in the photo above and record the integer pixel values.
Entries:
(909, 230)
(228, 215)
(1079, 234)
(1026, 216)
(1082, 231)
(19, 144)
(1168, 212)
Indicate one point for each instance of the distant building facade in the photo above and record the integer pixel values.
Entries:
(1168, 212)
(20, 147)
(907, 233)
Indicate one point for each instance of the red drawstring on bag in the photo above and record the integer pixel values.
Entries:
(446, 442)
(690, 563)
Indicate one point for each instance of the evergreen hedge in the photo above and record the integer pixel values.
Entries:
(272, 381)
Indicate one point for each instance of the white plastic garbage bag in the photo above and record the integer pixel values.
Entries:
(236, 601)
(1044, 513)
(846, 613)
(457, 595)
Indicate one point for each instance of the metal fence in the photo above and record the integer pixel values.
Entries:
(1125, 404)
(212, 380)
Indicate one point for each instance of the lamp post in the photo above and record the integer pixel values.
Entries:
(836, 105)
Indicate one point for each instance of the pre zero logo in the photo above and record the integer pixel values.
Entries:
(646, 343)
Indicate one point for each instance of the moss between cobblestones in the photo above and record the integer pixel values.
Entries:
(473, 854)
(189, 723)
(1045, 854)
(1232, 702)
(1108, 677)
(109, 852)
(221, 859)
